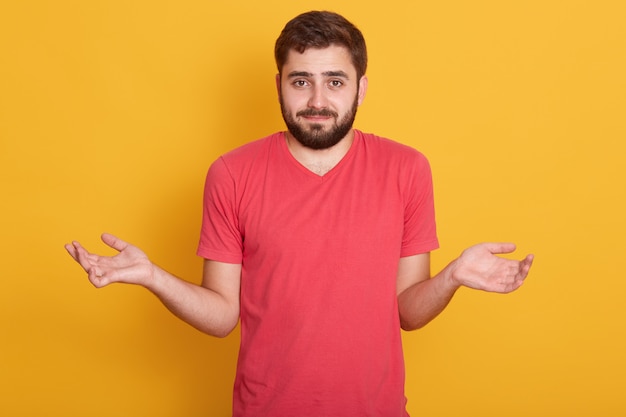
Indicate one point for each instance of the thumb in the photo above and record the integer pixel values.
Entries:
(500, 247)
(114, 242)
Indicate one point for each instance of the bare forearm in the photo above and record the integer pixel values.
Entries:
(202, 308)
(212, 307)
(425, 300)
(478, 268)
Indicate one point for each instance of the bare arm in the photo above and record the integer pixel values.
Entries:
(421, 298)
(212, 307)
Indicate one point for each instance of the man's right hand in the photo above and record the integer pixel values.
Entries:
(130, 265)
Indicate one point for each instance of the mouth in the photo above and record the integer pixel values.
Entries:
(316, 115)
(317, 119)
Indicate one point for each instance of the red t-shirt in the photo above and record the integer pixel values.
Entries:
(320, 331)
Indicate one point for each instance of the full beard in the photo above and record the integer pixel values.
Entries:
(315, 136)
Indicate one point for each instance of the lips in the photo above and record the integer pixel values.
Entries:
(317, 114)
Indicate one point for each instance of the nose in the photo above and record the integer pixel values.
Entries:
(318, 97)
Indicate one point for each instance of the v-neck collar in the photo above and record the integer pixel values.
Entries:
(333, 171)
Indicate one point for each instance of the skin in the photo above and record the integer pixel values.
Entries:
(212, 307)
(319, 79)
(316, 79)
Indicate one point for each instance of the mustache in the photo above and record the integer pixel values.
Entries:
(314, 112)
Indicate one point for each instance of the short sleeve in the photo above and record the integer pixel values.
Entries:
(420, 231)
(220, 237)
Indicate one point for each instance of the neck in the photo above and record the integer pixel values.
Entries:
(319, 161)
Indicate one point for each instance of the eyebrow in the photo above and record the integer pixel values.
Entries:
(341, 74)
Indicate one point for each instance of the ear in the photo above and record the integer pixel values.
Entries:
(278, 85)
(362, 89)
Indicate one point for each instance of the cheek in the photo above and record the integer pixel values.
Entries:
(293, 101)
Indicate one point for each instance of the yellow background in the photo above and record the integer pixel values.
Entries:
(111, 112)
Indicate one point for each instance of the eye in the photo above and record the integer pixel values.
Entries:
(335, 83)
(300, 83)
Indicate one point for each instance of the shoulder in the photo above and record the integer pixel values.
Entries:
(253, 149)
(385, 149)
(246, 156)
(241, 162)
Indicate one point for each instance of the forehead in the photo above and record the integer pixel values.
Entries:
(320, 60)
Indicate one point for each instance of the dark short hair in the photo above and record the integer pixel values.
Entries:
(321, 29)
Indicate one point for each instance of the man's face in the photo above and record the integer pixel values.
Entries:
(319, 95)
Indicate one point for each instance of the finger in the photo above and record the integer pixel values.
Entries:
(517, 280)
(80, 255)
(97, 277)
(101, 276)
(500, 247)
(69, 247)
(525, 265)
(114, 242)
